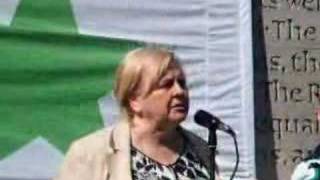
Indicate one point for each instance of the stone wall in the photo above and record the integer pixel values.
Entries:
(287, 83)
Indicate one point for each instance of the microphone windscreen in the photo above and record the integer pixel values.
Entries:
(203, 118)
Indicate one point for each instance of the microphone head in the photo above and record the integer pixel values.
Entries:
(208, 120)
(204, 118)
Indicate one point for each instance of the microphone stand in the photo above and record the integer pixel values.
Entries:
(212, 143)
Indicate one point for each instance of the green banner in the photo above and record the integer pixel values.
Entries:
(51, 76)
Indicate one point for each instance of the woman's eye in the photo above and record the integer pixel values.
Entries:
(166, 84)
(182, 83)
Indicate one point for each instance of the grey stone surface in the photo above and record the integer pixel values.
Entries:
(287, 69)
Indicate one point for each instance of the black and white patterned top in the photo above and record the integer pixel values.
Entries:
(187, 166)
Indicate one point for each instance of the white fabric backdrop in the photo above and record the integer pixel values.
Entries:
(213, 40)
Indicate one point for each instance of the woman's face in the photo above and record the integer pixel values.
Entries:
(168, 102)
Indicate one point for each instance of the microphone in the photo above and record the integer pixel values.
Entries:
(208, 120)
(213, 123)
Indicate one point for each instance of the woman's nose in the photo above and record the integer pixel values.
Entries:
(179, 88)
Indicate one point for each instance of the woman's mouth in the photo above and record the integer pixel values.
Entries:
(179, 107)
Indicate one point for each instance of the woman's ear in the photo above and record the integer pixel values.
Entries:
(135, 105)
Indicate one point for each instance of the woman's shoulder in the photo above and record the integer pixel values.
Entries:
(193, 138)
(200, 146)
(95, 141)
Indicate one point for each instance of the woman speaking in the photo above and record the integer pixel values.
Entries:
(147, 143)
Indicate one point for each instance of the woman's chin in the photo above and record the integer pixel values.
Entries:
(178, 117)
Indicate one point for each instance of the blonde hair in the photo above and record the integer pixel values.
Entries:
(130, 73)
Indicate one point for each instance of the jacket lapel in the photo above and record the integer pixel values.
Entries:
(120, 161)
(201, 149)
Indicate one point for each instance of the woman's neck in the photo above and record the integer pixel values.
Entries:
(145, 130)
(156, 142)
